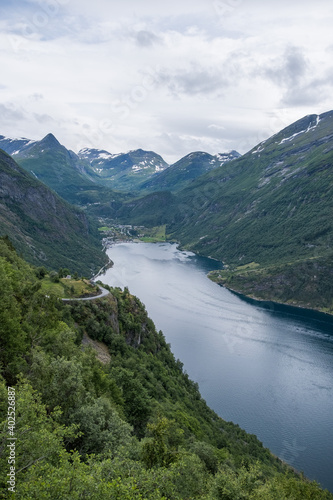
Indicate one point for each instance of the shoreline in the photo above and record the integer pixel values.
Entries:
(275, 302)
(107, 266)
(237, 292)
(243, 295)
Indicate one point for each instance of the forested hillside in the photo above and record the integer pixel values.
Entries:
(45, 229)
(131, 427)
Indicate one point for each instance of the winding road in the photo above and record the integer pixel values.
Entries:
(104, 293)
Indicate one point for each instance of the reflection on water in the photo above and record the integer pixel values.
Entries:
(267, 367)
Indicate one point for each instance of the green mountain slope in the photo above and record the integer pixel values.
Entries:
(274, 201)
(272, 206)
(46, 229)
(181, 174)
(59, 168)
(154, 209)
(131, 426)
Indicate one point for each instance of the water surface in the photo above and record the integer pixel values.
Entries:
(268, 368)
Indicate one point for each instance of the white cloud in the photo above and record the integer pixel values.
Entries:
(146, 38)
(289, 69)
(165, 76)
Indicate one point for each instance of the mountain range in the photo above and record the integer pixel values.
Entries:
(146, 171)
(267, 214)
(80, 180)
(88, 177)
(59, 168)
(123, 171)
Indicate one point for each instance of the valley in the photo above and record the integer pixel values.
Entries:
(166, 250)
(265, 218)
(272, 206)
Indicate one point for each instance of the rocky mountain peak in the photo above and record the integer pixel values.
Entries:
(50, 141)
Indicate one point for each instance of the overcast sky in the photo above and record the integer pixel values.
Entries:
(173, 77)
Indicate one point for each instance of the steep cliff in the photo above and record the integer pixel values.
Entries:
(42, 226)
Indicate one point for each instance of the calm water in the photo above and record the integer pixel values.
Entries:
(267, 368)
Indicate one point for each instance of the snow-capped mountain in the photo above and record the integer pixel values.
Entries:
(62, 169)
(185, 170)
(124, 171)
(14, 146)
(50, 162)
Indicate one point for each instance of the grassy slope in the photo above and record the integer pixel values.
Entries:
(68, 288)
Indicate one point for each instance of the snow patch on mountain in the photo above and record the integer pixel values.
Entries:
(159, 168)
(227, 156)
(258, 150)
(287, 139)
(105, 156)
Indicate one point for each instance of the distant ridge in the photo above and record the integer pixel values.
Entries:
(59, 168)
(123, 171)
(184, 171)
(71, 175)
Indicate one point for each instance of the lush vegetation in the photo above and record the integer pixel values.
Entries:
(132, 428)
(154, 234)
(73, 287)
(307, 283)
